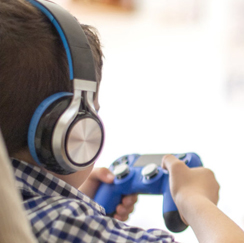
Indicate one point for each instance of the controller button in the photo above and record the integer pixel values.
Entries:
(115, 163)
(149, 171)
(121, 171)
(181, 156)
(125, 160)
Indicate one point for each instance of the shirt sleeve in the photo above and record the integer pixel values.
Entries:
(67, 220)
(106, 229)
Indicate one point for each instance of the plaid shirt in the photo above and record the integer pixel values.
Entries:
(59, 212)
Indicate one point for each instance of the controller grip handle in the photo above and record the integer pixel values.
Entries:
(171, 214)
(107, 197)
(173, 221)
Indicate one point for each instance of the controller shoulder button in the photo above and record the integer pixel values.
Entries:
(149, 171)
(181, 156)
(121, 171)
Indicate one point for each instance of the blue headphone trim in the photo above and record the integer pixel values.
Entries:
(60, 31)
(36, 118)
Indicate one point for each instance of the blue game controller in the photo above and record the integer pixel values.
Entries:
(143, 174)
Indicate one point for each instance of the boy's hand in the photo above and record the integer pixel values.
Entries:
(189, 185)
(90, 186)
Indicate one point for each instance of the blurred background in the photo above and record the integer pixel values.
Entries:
(173, 82)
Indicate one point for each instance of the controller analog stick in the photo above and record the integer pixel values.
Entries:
(149, 171)
(121, 171)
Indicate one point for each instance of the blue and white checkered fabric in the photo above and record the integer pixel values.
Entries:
(60, 213)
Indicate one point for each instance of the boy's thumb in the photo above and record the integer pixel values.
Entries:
(106, 176)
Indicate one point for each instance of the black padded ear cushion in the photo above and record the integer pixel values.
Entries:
(44, 132)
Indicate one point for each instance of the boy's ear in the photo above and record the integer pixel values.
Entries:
(65, 133)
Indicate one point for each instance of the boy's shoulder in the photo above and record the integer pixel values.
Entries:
(35, 184)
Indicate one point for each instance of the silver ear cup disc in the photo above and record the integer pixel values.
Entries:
(84, 140)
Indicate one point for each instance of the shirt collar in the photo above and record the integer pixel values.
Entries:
(33, 181)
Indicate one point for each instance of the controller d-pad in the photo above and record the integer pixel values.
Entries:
(124, 160)
(121, 171)
(149, 171)
(115, 163)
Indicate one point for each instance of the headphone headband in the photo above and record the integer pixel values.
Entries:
(80, 59)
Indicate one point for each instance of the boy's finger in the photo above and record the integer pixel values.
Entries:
(121, 210)
(129, 200)
(169, 161)
(103, 175)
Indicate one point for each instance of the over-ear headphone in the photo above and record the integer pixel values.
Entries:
(65, 133)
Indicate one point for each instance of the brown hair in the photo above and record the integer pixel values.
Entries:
(33, 66)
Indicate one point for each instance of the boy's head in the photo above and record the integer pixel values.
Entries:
(33, 66)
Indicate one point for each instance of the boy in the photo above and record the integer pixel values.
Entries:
(34, 66)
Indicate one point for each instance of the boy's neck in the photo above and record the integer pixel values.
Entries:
(74, 179)
(25, 155)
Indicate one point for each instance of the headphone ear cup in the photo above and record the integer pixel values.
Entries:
(41, 130)
(84, 139)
